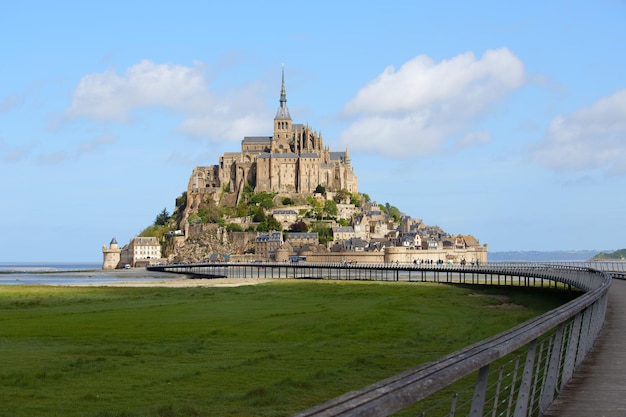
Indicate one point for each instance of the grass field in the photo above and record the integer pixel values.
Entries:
(265, 350)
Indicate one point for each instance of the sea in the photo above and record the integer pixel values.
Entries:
(73, 273)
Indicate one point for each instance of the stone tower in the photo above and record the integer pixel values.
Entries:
(111, 255)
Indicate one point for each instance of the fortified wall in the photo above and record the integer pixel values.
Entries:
(402, 255)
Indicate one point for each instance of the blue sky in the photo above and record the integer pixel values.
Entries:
(504, 120)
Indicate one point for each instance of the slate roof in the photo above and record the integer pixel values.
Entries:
(257, 139)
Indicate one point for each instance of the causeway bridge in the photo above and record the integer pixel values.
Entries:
(568, 362)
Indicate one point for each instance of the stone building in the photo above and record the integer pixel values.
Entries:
(292, 160)
(111, 255)
(141, 251)
(266, 244)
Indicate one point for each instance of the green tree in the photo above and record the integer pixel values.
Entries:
(273, 224)
(264, 199)
(242, 210)
(155, 231)
(320, 189)
(355, 200)
(394, 213)
(234, 227)
(286, 201)
(316, 206)
(258, 214)
(162, 218)
(270, 223)
(324, 232)
(330, 208)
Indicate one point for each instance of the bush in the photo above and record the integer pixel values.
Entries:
(234, 227)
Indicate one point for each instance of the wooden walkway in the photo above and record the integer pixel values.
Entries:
(598, 389)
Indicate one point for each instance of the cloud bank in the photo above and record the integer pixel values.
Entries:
(590, 138)
(417, 109)
(183, 90)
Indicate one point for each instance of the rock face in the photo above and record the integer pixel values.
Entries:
(211, 243)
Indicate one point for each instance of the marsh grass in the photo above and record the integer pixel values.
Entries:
(265, 350)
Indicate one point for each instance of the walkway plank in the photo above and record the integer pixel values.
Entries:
(598, 388)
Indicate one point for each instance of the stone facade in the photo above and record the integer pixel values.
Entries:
(293, 160)
(111, 255)
(141, 251)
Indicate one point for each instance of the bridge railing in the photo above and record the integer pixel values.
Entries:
(516, 373)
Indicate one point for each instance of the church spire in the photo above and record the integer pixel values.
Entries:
(283, 90)
(283, 111)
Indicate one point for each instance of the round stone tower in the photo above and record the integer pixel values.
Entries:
(111, 255)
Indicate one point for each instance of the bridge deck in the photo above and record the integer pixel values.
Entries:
(599, 387)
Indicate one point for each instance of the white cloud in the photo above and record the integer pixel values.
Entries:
(415, 110)
(590, 138)
(473, 139)
(109, 96)
(97, 142)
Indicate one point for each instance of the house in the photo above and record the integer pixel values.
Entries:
(297, 239)
(286, 217)
(342, 233)
(266, 244)
(410, 240)
(355, 244)
(361, 226)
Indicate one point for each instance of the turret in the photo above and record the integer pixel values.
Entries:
(111, 255)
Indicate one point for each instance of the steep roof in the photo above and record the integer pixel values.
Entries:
(257, 139)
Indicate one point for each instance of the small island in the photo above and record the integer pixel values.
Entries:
(287, 197)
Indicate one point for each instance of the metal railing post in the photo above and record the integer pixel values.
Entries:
(521, 406)
(480, 392)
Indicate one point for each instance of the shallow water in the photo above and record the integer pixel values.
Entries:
(73, 274)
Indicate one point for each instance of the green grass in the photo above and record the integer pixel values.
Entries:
(264, 350)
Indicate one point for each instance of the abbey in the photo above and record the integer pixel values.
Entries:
(293, 160)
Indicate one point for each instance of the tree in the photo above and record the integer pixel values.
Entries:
(269, 224)
(162, 218)
(286, 201)
(263, 199)
(324, 233)
(320, 189)
(341, 196)
(355, 200)
(395, 213)
(330, 208)
(234, 227)
(299, 227)
(273, 224)
(258, 214)
(316, 206)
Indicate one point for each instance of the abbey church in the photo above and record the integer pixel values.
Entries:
(292, 161)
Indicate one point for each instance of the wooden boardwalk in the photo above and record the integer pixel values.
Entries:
(598, 389)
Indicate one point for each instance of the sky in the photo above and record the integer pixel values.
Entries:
(502, 120)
